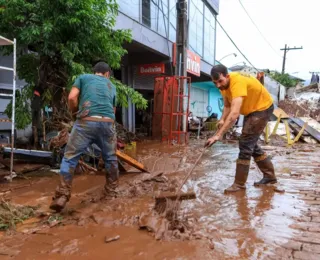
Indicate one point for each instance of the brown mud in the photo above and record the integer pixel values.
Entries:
(257, 223)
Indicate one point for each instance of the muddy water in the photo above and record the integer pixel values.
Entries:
(247, 225)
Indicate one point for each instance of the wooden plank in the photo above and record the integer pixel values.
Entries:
(296, 128)
(267, 134)
(300, 133)
(279, 112)
(86, 166)
(313, 132)
(288, 132)
(314, 87)
(22, 167)
(129, 160)
(277, 125)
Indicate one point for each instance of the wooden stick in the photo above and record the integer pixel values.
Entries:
(191, 170)
(178, 193)
(108, 240)
(87, 166)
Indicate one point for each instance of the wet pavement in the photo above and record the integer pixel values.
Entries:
(258, 223)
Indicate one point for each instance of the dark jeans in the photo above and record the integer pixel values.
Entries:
(83, 134)
(253, 127)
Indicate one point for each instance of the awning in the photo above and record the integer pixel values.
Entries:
(5, 41)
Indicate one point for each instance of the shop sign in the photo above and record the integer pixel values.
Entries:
(149, 69)
(193, 61)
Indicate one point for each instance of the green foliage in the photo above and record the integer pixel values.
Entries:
(124, 92)
(284, 79)
(58, 40)
(10, 214)
(23, 110)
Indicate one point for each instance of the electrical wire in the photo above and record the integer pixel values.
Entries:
(265, 39)
(235, 45)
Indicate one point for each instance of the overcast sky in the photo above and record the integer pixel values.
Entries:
(292, 22)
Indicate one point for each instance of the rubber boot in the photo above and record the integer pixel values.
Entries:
(110, 188)
(241, 177)
(266, 167)
(62, 195)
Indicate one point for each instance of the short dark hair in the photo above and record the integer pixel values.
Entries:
(101, 67)
(217, 70)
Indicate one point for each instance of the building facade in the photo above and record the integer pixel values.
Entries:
(153, 25)
(150, 54)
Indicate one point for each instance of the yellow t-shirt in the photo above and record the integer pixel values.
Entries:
(255, 96)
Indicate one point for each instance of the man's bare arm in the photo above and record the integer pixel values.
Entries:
(232, 117)
(73, 100)
(226, 109)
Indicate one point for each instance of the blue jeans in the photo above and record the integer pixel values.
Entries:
(83, 134)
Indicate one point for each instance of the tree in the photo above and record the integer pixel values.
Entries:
(284, 79)
(60, 39)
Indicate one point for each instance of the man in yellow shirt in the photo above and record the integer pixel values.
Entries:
(244, 94)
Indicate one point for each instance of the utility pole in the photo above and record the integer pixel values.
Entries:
(285, 50)
(181, 38)
(181, 55)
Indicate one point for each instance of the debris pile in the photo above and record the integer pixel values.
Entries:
(60, 140)
(124, 135)
(10, 214)
(304, 102)
(301, 108)
(167, 229)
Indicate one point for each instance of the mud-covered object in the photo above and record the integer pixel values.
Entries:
(266, 167)
(60, 140)
(62, 194)
(242, 171)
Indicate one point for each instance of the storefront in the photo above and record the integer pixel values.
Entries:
(205, 99)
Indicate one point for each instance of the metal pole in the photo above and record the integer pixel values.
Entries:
(180, 63)
(182, 45)
(13, 105)
(178, 107)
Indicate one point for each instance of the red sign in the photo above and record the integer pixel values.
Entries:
(148, 69)
(193, 61)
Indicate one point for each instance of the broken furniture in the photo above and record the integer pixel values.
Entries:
(298, 126)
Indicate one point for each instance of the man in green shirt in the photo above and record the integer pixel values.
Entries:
(92, 100)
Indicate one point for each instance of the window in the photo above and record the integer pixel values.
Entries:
(209, 36)
(172, 20)
(163, 17)
(130, 8)
(196, 26)
(149, 14)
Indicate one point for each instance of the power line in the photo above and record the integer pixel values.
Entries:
(235, 45)
(259, 29)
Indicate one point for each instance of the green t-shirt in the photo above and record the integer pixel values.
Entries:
(97, 96)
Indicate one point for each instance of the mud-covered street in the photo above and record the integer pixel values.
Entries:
(258, 223)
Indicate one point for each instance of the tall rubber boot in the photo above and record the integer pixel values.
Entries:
(266, 167)
(62, 195)
(111, 188)
(112, 179)
(241, 177)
